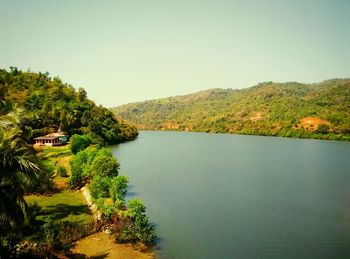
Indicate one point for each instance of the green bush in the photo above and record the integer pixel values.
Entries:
(135, 226)
(79, 142)
(51, 230)
(109, 208)
(105, 166)
(118, 188)
(62, 171)
(322, 128)
(76, 180)
(99, 187)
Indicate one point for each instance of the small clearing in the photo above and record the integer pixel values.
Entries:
(65, 205)
(312, 123)
(102, 245)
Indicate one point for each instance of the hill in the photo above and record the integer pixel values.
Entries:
(292, 109)
(49, 104)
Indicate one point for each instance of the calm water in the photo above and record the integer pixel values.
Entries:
(231, 196)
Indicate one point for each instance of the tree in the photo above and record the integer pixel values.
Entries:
(99, 187)
(135, 226)
(19, 168)
(118, 187)
(53, 104)
(79, 142)
(82, 94)
(105, 166)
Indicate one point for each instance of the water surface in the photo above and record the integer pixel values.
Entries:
(234, 196)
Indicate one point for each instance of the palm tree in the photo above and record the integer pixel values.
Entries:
(19, 167)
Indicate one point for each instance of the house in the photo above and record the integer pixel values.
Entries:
(53, 139)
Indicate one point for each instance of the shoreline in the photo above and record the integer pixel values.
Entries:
(241, 134)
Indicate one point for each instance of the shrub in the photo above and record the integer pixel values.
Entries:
(135, 226)
(62, 171)
(76, 180)
(109, 208)
(322, 128)
(79, 142)
(51, 230)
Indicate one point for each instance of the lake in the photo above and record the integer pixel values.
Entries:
(235, 196)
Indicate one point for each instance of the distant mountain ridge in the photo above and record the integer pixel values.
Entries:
(320, 110)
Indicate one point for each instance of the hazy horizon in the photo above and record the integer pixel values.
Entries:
(123, 52)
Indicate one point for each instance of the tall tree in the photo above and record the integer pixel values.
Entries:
(19, 167)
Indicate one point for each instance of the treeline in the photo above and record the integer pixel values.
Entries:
(274, 109)
(50, 104)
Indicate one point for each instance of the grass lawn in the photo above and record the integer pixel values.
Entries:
(65, 205)
(56, 157)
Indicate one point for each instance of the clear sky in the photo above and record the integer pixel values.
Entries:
(125, 51)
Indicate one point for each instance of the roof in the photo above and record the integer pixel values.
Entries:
(56, 134)
(48, 137)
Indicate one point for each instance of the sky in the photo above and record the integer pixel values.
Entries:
(127, 51)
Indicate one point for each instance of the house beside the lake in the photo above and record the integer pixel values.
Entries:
(53, 139)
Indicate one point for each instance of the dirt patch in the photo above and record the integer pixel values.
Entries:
(257, 116)
(102, 245)
(311, 123)
(169, 125)
(61, 184)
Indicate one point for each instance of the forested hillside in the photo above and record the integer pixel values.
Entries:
(50, 104)
(291, 109)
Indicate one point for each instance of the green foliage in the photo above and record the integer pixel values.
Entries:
(105, 166)
(107, 187)
(99, 187)
(109, 208)
(81, 162)
(45, 185)
(136, 208)
(62, 171)
(266, 109)
(51, 230)
(59, 234)
(118, 188)
(323, 128)
(51, 104)
(76, 180)
(19, 169)
(135, 227)
(108, 190)
(79, 142)
(82, 165)
(65, 205)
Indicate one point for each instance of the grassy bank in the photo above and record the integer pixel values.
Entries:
(65, 205)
